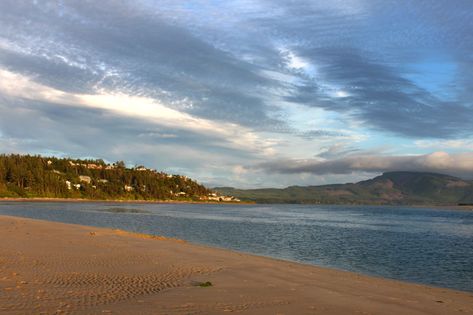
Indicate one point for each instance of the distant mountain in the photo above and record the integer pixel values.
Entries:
(410, 188)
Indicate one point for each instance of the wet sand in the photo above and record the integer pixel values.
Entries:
(55, 268)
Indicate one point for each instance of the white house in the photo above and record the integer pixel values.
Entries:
(128, 188)
(85, 179)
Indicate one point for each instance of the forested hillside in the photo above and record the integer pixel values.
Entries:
(28, 176)
(392, 188)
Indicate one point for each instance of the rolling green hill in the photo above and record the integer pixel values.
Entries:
(414, 188)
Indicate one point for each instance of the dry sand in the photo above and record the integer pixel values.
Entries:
(55, 268)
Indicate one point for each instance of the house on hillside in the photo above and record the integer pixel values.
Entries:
(85, 179)
(128, 188)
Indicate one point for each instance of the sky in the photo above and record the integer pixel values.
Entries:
(242, 93)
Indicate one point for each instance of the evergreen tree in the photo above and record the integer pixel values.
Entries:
(36, 176)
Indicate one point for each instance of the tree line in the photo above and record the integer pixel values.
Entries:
(27, 176)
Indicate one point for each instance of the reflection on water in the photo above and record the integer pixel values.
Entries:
(430, 246)
(121, 210)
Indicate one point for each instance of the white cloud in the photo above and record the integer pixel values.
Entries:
(460, 164)
(341, 94)
(297, 62)
(230, 134)
(460, 144)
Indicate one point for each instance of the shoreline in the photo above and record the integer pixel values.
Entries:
(79, 200)
(89, 270)
(171, 201)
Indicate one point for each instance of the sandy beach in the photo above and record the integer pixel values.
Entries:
(55, 268)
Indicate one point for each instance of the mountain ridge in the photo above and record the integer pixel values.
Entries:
(390, 188)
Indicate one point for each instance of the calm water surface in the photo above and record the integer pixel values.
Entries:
(430, 246)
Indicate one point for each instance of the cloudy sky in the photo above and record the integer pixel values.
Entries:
(246, 93)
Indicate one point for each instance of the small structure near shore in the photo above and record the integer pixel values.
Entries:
(216, 197)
